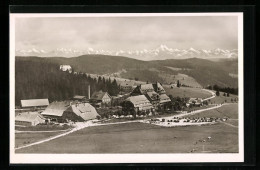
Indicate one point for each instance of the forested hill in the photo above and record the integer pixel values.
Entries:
(39, 78)
(205, 72)
(100, 64)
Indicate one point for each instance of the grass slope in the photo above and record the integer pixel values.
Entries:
(27, 138)
(142, 138)
(221, 99)
(186, 92)
(230, 111)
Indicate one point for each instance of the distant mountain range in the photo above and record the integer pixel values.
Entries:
(162, 52)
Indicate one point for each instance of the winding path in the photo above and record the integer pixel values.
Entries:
(213, 94)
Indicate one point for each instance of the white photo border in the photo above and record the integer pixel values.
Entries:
(16, 158)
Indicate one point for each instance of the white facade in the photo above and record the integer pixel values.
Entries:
(65, 67)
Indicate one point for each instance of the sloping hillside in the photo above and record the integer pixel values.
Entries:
(205, 72)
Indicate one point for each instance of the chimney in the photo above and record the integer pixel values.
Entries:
(88, 91)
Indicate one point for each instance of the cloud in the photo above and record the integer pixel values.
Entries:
(113, 33)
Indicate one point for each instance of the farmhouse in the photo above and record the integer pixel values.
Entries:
(158, 100)
(65, 68)
(155, 93)
(29, 119)
(164, 99)
(137, 104)
(101, 97)
(66, 110)
(35, 103)
(127, 86)
(195, 101)
(153, 97)
(144, 88)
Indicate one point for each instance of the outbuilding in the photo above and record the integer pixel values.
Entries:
(29, 119)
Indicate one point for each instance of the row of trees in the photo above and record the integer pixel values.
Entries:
(36, 79)
(227, 90)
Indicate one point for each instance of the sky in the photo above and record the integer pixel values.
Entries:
(127, 33)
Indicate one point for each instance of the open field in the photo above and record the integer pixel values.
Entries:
(26, 138)
(220, 99)
(143, 138)
(183, 78)
(186, 92)
(230, 111)
(43, 128)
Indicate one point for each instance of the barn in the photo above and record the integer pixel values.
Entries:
(68, 110)
(29, 119)
(101, 97)
(137, 104)
(145, 88)
(35, 103)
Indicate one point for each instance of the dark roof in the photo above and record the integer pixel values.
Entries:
(152, 95)
(99, 95)
(144, 88)
(34, 102)
(164, 98)
(158, 88)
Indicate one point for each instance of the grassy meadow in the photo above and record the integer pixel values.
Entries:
(143, 138)
(186, 92)
(22, 139)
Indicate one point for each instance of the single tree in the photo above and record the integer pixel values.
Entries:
(217, 93)
(227, 94)
(178, 83)
(224, 94)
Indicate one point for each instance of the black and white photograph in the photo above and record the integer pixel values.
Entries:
(119, 87)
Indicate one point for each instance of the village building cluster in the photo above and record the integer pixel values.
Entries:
(144, 98)
(137, 100)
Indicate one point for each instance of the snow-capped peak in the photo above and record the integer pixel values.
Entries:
(162, 51)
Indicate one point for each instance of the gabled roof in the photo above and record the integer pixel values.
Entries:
(152, 95)
(158, 87)
(34, 102)
(146, 87)
(56, 108)
(28, 116)
(99, 95)
(141, 99)
(85, 111)
(164, 98)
